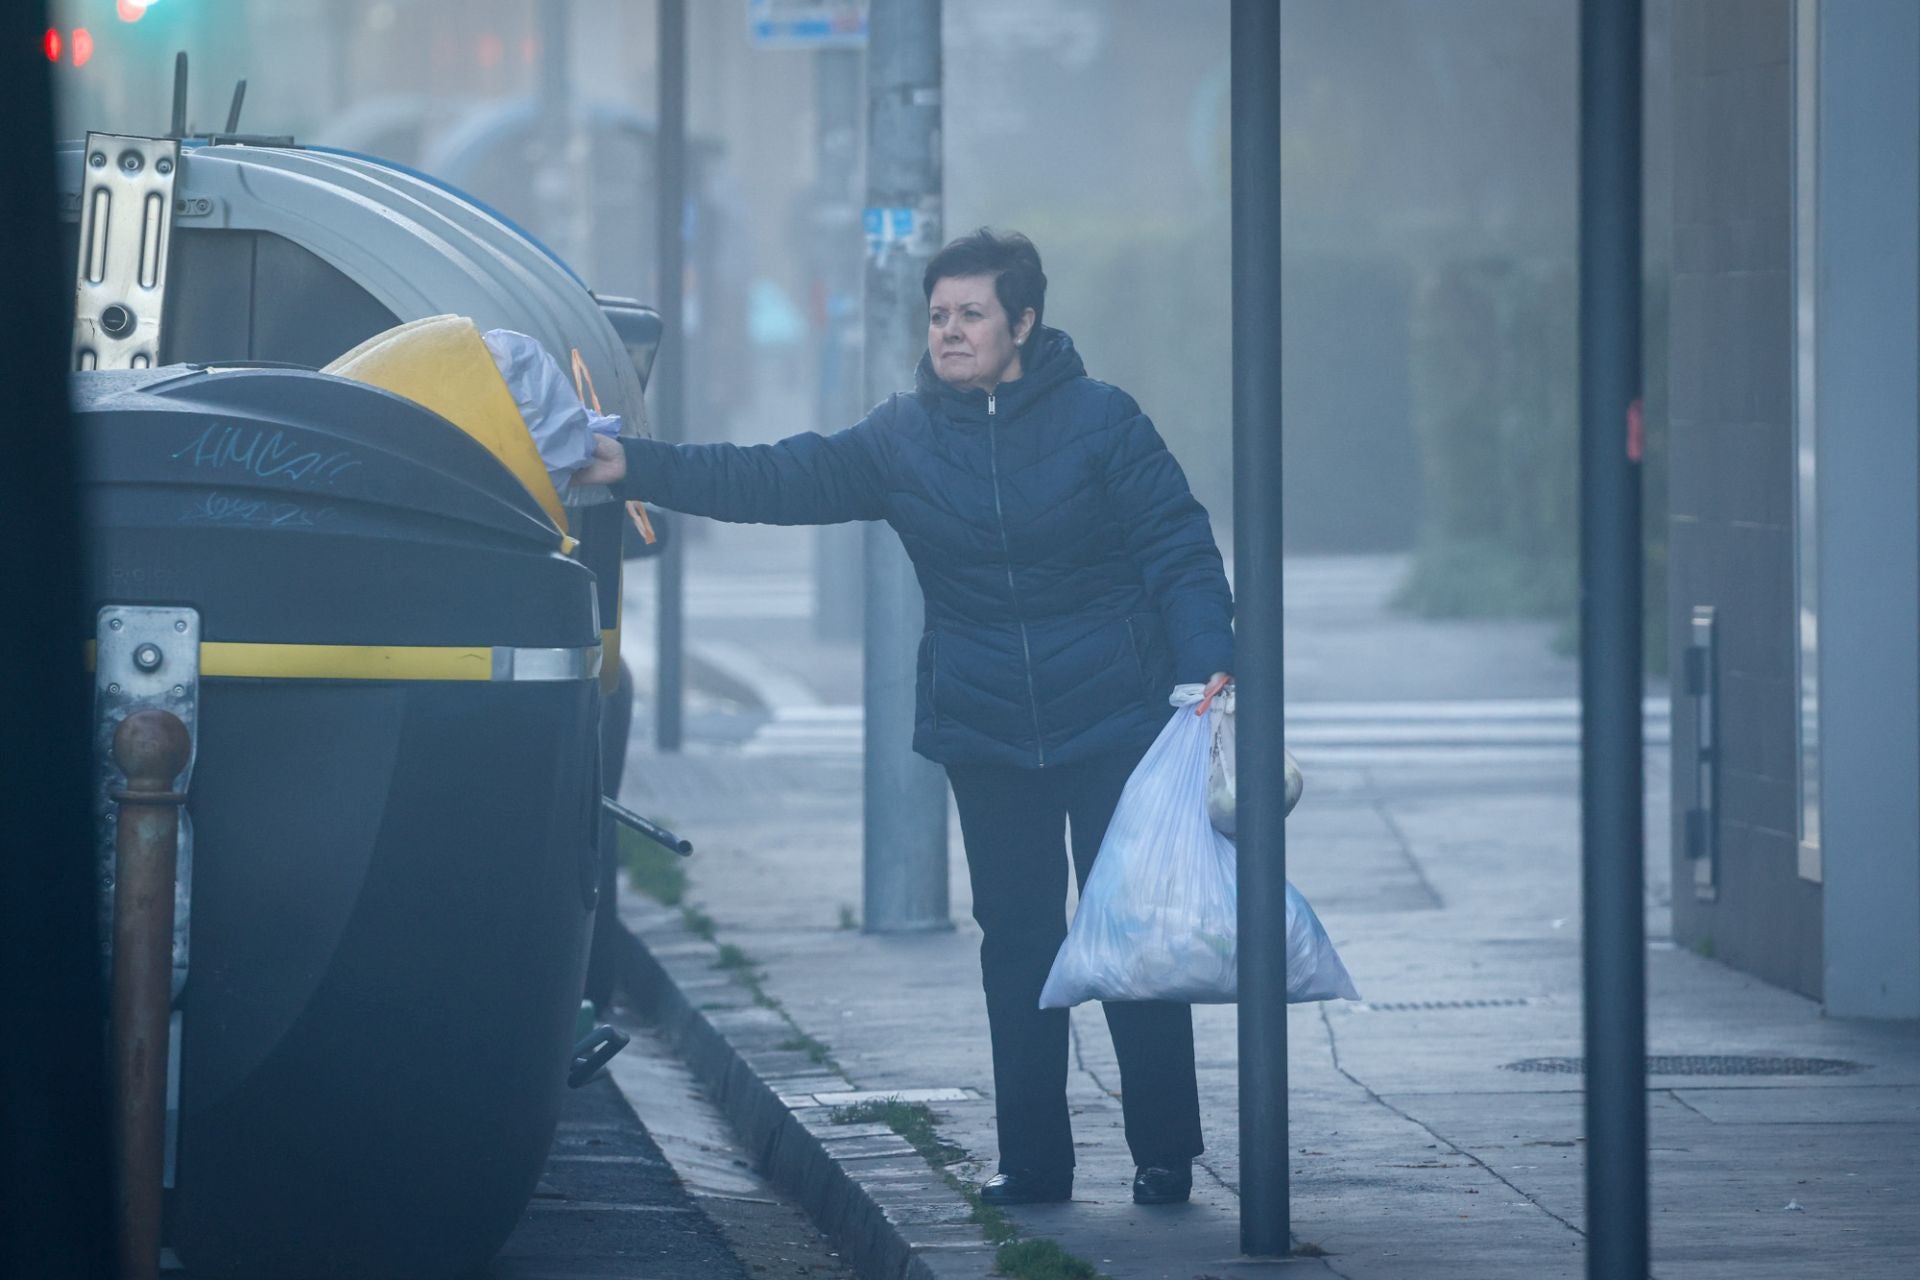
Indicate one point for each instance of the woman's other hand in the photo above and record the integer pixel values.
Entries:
(1220, 681)
(609, 465)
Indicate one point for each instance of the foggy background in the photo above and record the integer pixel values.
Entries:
(1428, 170)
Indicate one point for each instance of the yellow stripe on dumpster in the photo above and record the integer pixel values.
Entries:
(264, 661)
(345, 661)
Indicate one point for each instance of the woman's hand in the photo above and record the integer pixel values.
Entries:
(609, 465)
(1220, 681)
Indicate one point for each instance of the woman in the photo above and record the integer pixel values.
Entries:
(1071, 580)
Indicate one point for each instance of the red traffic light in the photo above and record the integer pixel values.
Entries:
(77, 45)
(131, 10)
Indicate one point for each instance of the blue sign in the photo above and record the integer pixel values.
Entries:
(807, 24)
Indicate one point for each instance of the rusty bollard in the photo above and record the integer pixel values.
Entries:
(151, 747)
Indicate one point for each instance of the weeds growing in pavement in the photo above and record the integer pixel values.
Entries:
(1041, 1260)
(652, 868)
(744, 971)
(911, 1120)
(808, 1045)
(1022, 1259)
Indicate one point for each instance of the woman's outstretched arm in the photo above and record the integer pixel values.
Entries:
(804, 479)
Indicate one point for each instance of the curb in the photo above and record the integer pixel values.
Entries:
(891, 1215)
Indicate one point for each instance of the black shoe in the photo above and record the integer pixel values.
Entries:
(1022, 1186)
(1163, 1183)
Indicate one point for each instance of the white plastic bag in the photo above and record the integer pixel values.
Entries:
(1220, 767)
(562, 428)
(1156, 920)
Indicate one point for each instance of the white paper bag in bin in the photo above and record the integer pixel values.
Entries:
(1158, 917)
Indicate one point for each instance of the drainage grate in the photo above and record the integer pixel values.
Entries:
(1703, 1064)
(1414, 1006)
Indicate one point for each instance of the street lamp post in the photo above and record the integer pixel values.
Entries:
(905, 845)
(669, 368)
(1612, 910)
(1265, 1213)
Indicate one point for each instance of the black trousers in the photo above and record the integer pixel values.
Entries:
(1014, 822)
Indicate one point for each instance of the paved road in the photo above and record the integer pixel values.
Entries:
(673, 1198)
(610, 1205)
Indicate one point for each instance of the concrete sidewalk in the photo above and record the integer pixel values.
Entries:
(1450, 884)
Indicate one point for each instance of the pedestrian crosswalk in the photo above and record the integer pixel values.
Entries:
(1458, 731)
(1317, 587)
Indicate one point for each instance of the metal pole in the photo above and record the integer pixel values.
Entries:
(551, 82)
(1265, 1212)
(905, 863)
(151, 747)
(553, 195)
(669, 368)
(837, 277)
(1613, 942)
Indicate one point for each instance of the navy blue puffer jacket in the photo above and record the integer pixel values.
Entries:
(1071, 578)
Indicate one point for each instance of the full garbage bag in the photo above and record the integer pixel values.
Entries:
(1157, 918)
(562, 427)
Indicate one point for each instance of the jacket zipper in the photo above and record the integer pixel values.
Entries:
(1139, 656)
(1026, 649)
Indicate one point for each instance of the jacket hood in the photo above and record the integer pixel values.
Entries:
(1049, 360)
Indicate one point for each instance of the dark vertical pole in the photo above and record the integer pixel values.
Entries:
(1265, 1212)
(557, 204)
(669, 370)
(551, 81)
(54, 1164)
(340, 21)
(1613, 941)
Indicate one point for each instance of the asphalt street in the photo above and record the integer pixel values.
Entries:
(614, 1203)
(610, 1205)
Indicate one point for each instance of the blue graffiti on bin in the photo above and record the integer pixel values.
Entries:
(263, 513)
(263, 452)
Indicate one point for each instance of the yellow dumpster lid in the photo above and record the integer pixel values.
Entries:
(441, 363)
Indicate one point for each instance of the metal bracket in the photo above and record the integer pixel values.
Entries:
(1701, 684)
(126, 221)
(146, 656)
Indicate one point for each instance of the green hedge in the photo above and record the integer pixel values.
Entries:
(1495, 410)
(1493, 416)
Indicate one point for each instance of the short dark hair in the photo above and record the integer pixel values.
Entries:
(1010, 259)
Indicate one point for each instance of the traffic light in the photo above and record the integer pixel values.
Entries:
(132, 10)
(76, 46)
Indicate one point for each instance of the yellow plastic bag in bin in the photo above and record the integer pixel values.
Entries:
(1158, 917)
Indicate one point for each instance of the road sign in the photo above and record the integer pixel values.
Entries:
(807, 24)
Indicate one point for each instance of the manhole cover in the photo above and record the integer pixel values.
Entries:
(1703, 1064)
